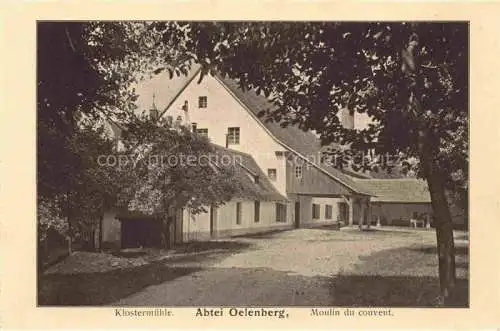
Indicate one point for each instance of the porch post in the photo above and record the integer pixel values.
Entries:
(351, 210)
(369, 211)
(362, 214)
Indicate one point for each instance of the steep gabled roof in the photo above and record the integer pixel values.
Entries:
(188, 81)
(245, 170)
(403, 190)
(304, 143)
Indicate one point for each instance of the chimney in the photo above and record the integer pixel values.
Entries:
(185, 107)
(347, 118)
(170, 120)
(153, 112)
(178, 122)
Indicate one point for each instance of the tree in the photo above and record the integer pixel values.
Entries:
(170, 166)
(163, 168)
(88, 192)
(85, 74)
(411, 78)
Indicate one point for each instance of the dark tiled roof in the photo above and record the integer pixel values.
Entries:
(246, 169)
(304, 142)
(397, 190)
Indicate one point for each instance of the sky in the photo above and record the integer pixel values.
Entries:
(164, 89)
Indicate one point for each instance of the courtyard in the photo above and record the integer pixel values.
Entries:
(392, 267)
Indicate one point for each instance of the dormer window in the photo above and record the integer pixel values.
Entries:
(202, 102)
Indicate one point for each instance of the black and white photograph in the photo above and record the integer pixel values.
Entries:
(252, 165)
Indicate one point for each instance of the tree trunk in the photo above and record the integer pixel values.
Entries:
(99, 240)
(444, 234)
(368, 215)
(69, 238)
(428, 146)
(442, 217)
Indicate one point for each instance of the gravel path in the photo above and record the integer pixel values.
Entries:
(288, 268)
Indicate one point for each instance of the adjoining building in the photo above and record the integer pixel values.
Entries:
(287, 185)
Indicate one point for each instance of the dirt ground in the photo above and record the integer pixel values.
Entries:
(302, 267)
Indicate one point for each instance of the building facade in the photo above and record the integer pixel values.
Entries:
(298, 188)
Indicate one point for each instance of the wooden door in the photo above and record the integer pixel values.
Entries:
(297, 214)
(213, 221)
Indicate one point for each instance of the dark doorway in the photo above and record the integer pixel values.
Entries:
(297, 215)
(343, 212)
(213, 217)
(141, 233)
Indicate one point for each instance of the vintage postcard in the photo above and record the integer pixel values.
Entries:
(268, 165)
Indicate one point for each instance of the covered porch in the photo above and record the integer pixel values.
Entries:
(358, 211)
(331, 209)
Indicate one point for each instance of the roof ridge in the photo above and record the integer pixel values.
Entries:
(221, 80)
(176, 96)
(230, 150)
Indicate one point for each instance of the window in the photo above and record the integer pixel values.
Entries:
(202, 132)
(280, 212)
(233, 136)
(238, 212)
(328, 212)
(315, 211)
(202, 102)
(257, 211)
(194, 126)
(298, 171)
(271, 173)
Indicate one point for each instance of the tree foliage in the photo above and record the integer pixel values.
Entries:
(165, 167)
(88, 69)
(86, 72)
(312, 70)
(410, 78)
(88, 191)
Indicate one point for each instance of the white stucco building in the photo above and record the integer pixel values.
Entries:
(294, 189)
